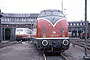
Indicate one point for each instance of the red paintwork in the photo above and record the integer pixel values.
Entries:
(33, 36)
(42, 23)
(18, 36)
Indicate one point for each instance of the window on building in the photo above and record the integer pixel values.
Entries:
(5, 19)
(80, 23)
(77, 24)
(71, 24)
(74, 24)
(8, 19)
(68, 24)
(83, 23)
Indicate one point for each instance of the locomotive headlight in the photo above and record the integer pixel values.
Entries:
(44, 42)
(65, 42)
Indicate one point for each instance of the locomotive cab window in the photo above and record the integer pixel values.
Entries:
(51, 13)
(20, 30)
(42, 14)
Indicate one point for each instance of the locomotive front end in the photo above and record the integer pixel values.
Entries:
(53, 45)
(52, 31)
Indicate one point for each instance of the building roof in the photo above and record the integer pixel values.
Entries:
(20, 14)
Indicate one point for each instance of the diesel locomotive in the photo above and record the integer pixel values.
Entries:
(52, 33)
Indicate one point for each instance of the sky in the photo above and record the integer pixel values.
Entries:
(73, 9)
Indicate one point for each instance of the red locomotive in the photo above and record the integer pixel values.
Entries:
(52, 31)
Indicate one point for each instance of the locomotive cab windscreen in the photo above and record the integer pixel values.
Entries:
(46, 13)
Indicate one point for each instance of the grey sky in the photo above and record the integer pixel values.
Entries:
(73, 9)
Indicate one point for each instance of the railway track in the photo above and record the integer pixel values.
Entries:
(81, 43)
(65, 58)
(4, 44)
(44, 57)
(55, 57)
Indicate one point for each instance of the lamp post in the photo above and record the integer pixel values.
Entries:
(86, 56)
(62, 5)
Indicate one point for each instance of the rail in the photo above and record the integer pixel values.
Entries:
(4, 44)
(64, 57)
(59, 57)
(81, 42)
